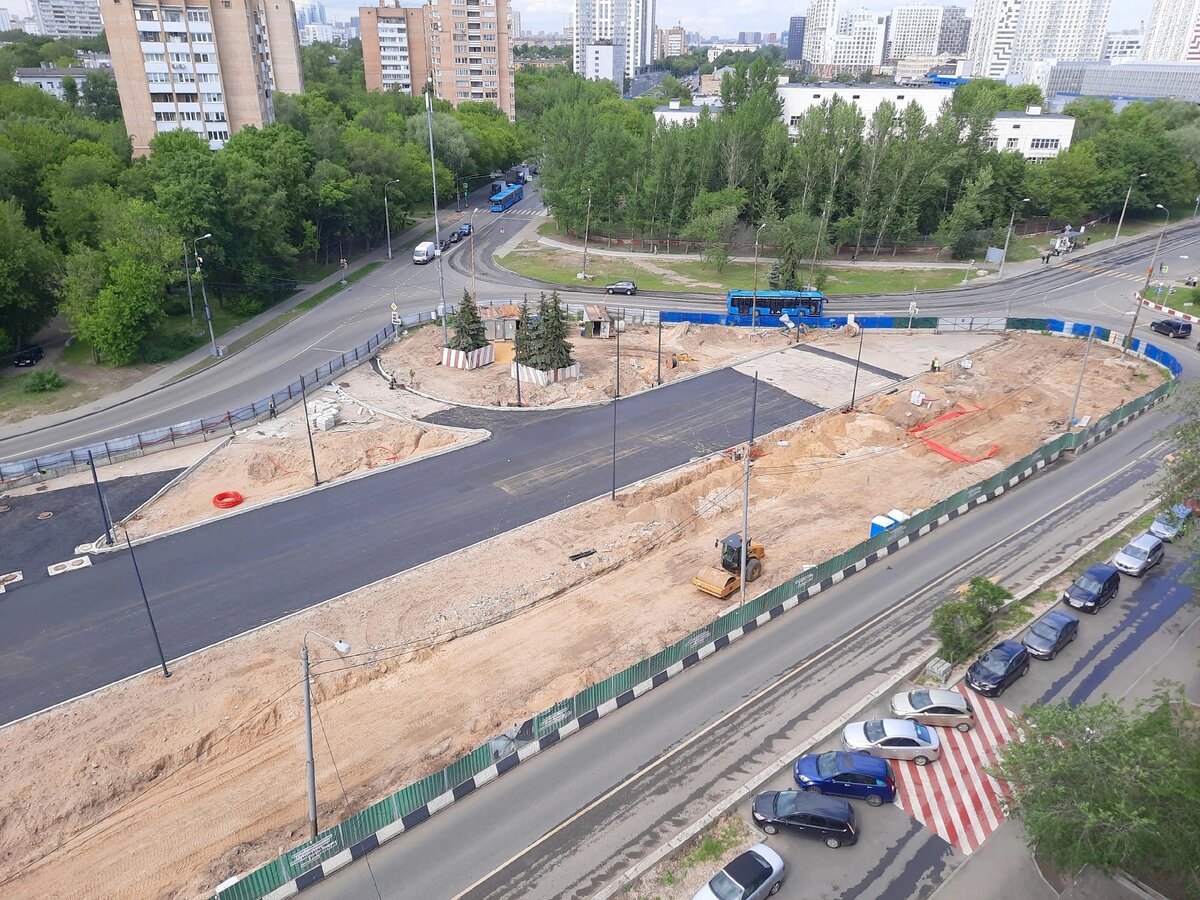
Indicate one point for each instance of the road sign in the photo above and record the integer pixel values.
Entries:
(394, 307)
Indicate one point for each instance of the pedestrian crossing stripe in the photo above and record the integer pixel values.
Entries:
(955, 797)
(1100, 270)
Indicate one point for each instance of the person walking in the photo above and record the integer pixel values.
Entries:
(271, 407)
(936, 365)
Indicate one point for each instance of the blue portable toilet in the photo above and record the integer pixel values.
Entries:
(880, 524)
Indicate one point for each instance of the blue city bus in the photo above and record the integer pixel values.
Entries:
(797, 304)
(507, 197)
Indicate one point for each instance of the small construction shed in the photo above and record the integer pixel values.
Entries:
(500, 322)
(596, 321)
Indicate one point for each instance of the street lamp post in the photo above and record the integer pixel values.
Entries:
(311, 768)
(1008, 237)
(1196, 209)
(1149, 274)
(1121, 221)
(187, 270)
(587, 226)
(387, 219)
(437, 228)
(474, 296)
(754, 290)
(204, 293)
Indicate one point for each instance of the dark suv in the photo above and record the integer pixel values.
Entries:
(1171, 328)
(998, 668)
(29, 356)
(826, 819)
(1094, 588)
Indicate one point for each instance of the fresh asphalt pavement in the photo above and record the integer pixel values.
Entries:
(570, 821)
(74, 632)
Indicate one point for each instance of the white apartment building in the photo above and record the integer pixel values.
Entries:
(1173, 34)
(316, 32)
(715, 50)
(604, 62)
(1034, 134)
(628, 23)
(1058, 29)
(860, 41)
(50, 78)
(820, 27)
(1122, 45)
(5, 20)
(67, 18)
(993, 33)
(914, 31)
(798, 99)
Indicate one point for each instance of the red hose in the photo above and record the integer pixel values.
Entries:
(227, 499)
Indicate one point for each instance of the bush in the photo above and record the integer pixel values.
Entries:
(43, 381)
(162, 347)
(243, 305)
(962, 625)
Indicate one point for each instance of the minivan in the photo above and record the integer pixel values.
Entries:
(1171, 328)
(424, 252)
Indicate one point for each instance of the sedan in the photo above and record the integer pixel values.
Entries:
(621, 287)
(755, 874)
(893, 739)
(28, 356)
(1093, 589)
(847, 775)
(1140, 555)
(1169, 523)
(1051, 633)
(825, 819)
(455, 237)
(998, 668)
(949, 709)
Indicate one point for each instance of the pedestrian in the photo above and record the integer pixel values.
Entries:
(271, 407)
(392, 382)
(936, 365)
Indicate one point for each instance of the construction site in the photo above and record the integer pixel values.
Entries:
(452, 653)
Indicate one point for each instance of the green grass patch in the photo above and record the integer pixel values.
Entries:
(715, 843)
(549, 228)
(77, 353)
(15, 397)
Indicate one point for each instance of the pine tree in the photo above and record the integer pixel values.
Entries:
(554, 335)
(526, 335)
(469, 333)
(539, 343)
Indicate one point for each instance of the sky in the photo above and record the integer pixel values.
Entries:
(723, 20)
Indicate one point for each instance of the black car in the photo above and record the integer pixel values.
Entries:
(998, 668)
(1051, 633)
(827, 819)
(1094, 589)
(1171, 328)
(29, 356)
(445, 244)
(455, 237)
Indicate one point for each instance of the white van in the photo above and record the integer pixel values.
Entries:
(424, 252)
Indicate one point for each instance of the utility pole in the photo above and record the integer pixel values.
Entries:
(387, 219)
(1149, 275)
(100, 497)
(746, 488)
(188, 271)
(437, 228)
(1121, 221)
(754, 291)
(857, 362)
(1007, 238)
(616, 397)
(587, 226)
(307, 424)
(204, 294)
(1082, 369)
(146, 600)
(659, 379)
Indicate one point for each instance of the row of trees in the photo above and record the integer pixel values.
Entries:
(88, 232)
(845, 180)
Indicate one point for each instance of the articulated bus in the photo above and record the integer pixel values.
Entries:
(797, 304)
(507, 197)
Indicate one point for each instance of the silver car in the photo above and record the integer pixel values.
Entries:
(950, 709)
(893, 739)
(1140, 555)
(1169, 524)
(755, 874)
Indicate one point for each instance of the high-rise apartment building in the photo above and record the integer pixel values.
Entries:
(1009, 36)
(201, 65)
(1173, 34)
(463, 46)
(915, 30)
(630, 23)
(671, 42)
(311, 14)
(820, 26)
(993, 33)
(860, 41)
(67, 18)
(515, 32)
(956, 31)
(1122, 45)
(795, 39)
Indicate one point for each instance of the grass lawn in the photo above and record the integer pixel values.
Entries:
(1026, 248)
(663, 274)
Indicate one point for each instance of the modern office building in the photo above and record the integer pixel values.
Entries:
(1173, 34)
(201, 65)
(1122, 82)
(5, 20)
(993, 33)
(67, 18)
(795, 39)
(1122, 45)
(915, 30)
(462, 46)
(629, 23)
(820, 27)
(956, 31)
(860, 41)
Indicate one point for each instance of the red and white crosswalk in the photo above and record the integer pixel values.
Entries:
(954, 797)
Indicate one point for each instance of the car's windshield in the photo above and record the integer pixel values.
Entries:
(992, 664)
(873, 729)
(919, 699)
(922, 732)
(1133, 551)
(785, 803)
(827, 764)
(1045, 630)
(725, 887)
(1088, 584)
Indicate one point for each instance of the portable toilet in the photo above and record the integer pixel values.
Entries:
(897, 516)
(880, 524)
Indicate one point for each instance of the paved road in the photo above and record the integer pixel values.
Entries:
(606, 797)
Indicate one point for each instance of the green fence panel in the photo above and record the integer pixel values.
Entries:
(667, 657)
(554, 717)
(465, 767)
(919, 322)
(1028, 325)
(419, 793)
(256, 884)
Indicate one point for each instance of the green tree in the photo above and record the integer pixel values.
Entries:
(960, 231)
(99, 97)
(70, 88)
(1096, 784)
(526, 341)
(26, 274)
(469, 333)
(549, 348)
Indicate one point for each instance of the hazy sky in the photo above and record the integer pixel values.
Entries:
(724, 20)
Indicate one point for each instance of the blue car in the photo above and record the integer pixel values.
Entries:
(856, 775)
(1051, 633)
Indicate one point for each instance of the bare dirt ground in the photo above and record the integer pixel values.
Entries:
(708, 346)
(85, 383)
(450, 654)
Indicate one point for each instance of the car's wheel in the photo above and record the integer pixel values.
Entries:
(770, 829)
(1025, 670)
(608, 290)
(775, 888)
(874, 800)
(1053, 653)
(832, 843)
(628, 292)
(921, 760)
(963, 727)
(812, 789)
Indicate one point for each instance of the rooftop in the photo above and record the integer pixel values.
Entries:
(53, 72)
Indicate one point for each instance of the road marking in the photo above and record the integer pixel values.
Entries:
(791, 674)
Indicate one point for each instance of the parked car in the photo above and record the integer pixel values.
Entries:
(825, 819)
(1140, 555)
(455, 237)
(1169, 523)
(1094, 589)
(621, 287)
(846, 775)
(445, 244)
(998, 668)
(465, 229)
(893, 739)
(949, 709)
(1051, 633)
(1171, 328)
(755, 874)
(28, 356)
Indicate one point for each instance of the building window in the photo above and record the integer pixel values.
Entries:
(146, 15)
(197, 15)
(1044, 144)
(1012, 143)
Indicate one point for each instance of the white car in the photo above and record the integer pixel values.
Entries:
(755, 874)
(1140, 555)
(893, 739)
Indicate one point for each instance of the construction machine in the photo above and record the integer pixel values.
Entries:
(723, 581)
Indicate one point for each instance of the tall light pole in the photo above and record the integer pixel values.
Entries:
(474, 296)
(203, 293)
(1008, 237)
(1082, 370)
(387, 219)
(437, 228)
(1149, 274)
(1121, 221)
(754, 290)
(587, 226)
(311, 768)
(187, 270)
(1196, 209)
